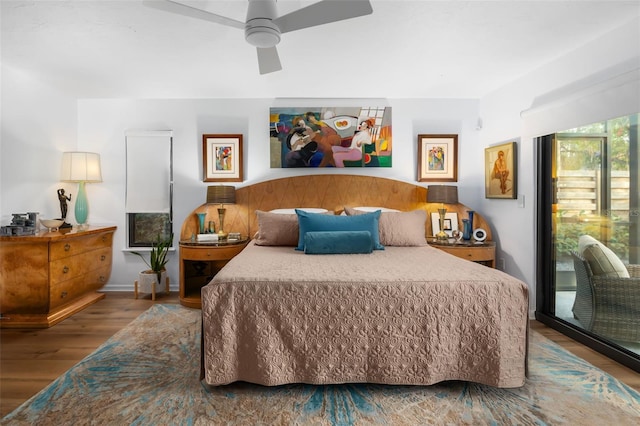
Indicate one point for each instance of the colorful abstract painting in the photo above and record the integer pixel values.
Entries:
(330, 137)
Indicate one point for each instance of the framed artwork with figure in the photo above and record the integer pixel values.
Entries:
(501, 174)
(330, 136)
(222, 158)
(437, 158)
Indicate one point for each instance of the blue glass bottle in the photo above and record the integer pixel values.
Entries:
(201, 217)
(471, 212)
(466, 229)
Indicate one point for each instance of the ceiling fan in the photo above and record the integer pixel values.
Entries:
(263, 27)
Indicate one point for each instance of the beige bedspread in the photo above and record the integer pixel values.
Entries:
(405, 315)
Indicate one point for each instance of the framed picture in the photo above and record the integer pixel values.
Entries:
(437, 158)
(222, 158)
(450, 223)
(501, 174)
(330, 136)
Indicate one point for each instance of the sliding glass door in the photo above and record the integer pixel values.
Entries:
(588, 236)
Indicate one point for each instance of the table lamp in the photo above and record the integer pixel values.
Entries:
(221, 194)
(444, 194)
(81, 167)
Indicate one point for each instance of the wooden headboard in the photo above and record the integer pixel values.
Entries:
(332, 192)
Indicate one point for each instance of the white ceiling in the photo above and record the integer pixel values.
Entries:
(416, 49)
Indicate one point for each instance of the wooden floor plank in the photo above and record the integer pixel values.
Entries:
(31, 359)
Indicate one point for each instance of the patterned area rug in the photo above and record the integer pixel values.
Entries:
(148, 374)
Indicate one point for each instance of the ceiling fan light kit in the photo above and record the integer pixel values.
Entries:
(262, 33)
(263, 27)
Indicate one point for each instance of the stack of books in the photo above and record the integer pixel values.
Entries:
(207, 237)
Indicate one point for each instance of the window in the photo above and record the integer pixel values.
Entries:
(589, 186)
(149, 187)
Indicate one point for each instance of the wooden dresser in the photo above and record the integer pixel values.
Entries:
(47, 277)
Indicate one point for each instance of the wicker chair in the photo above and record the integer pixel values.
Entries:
(605, 305)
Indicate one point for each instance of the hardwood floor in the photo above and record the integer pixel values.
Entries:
(619, 371)
(31, 359)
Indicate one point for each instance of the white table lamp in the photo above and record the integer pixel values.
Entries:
(81, 167)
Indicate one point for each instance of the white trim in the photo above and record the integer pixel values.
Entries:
(607, 94)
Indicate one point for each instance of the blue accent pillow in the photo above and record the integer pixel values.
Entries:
(310, 222)
(338, 242)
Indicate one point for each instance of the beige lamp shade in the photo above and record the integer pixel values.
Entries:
(81, 167)
(445, 194)
(221, 194)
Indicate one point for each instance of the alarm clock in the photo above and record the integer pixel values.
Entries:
(479, 234)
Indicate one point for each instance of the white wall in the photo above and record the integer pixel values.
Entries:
(564, 93)
(38, 123)
(102, 123)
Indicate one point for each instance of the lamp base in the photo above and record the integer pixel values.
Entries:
(222, 235)
(442, 235)
(82, 204)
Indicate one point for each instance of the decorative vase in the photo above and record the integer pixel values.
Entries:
(201, 217)
(466, 229)
(471, 212)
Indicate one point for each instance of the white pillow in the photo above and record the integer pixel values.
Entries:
(602, 260)
(373, 209)
(293, 211)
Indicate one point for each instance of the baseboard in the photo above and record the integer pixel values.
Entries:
(128, 287)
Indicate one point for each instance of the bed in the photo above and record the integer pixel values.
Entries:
(405, 314)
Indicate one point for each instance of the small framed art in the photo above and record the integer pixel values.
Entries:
(222, 158)
(450, 223)
(501, 174)
(437, 158)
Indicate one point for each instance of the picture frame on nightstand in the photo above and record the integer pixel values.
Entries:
(450, 223)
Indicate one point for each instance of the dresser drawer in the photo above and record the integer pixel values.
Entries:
(66, 291)
(71, 267)
(484, 253)
(210, 253)
(474, 254)
(72, 246)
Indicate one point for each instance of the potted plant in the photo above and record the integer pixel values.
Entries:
(156, 274)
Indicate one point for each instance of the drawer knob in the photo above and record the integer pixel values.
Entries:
(67, 247)
(101, 279)
(103, 257)
(63, 295)
(65, 269)
(104, 238)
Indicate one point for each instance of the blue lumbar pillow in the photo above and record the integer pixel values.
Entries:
(338, 242)
(312, 222)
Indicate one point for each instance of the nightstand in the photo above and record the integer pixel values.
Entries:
(480, 252)
(200, 262)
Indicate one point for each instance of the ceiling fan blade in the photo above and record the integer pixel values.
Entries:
(192, 12)
(268, 59)
(323, 12)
